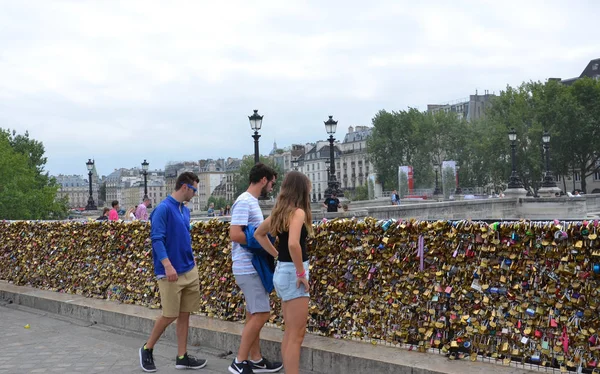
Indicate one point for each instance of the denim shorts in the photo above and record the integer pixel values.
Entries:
(284, 281)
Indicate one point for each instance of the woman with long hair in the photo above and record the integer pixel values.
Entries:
(291, 222)
(130, 214)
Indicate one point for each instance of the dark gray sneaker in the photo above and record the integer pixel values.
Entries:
(147, 360)
(265, 366)
(241, 368)
(189, 362)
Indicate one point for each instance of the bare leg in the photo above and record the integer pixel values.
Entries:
(251, 334)
(286, 333)
(159, 327)
(183, 323)
(295, 328)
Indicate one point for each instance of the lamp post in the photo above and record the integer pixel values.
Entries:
(515, 186)
(436, 191)
(549, 187)
(458, 190)
(333, 186)
(145, 165)
(256, 124)
(514, 180)
(90, 205)
(327, 163)
(548, 178)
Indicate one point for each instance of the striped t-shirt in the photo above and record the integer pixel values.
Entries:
(244, 212)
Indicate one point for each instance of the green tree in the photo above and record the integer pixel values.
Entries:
(26, 192)
(241, 179)
(392, 143)
(359, 193)
(572, 116)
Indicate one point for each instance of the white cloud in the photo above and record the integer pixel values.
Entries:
(123, 81)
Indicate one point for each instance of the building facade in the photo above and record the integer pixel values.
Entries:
(157, 191)
(131, 196)
(232, 171)
(592, 70)
(355, 167)
(472, 109)
(314, 164)
(76, 189)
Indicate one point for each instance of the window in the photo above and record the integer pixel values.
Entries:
(597, 176)
(576, 176)
(595, 67)
(558, 178)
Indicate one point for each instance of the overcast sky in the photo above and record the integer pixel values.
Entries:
(122, 81)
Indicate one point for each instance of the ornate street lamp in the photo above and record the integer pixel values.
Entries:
(256, 124)
(548, 178)
(91, 205)
(437, 190)
(333, 186)
(514, 180)
(145, 165)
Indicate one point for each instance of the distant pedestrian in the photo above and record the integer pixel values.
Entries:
(227, 211)
(130, 214)
(211, 210)
(141, 212)
(395, 198)
(113, 215)
(176, 271)
(332, 203)
(104, 216)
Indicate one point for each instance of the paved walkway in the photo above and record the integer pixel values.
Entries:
(55, 344)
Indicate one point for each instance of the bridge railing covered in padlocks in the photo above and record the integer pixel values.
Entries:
(525, 291)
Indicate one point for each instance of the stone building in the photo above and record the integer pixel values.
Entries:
(470, 109)
(355, 167)
(76, 189)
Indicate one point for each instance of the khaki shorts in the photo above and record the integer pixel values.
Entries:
(180, 296)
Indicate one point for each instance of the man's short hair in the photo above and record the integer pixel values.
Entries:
(186, 178)
(114, 203)
(260, 171)
(105, 210)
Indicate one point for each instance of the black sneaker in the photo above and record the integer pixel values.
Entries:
(241, 368)
(147, 360)
(189, 362)
(265, 366)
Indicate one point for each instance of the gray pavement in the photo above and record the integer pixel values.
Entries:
(54, 344)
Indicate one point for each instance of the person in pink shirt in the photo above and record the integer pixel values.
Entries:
(113, 215)
(141, 212)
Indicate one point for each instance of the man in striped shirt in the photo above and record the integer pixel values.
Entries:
(246, 212)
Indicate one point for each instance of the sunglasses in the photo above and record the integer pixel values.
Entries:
(192, 188)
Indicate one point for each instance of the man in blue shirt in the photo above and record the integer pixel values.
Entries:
(176, 272)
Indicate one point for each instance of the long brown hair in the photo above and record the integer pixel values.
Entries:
(294, 194)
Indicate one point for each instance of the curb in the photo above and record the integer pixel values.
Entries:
(319, 354)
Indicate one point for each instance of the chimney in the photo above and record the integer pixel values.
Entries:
(350, 129)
